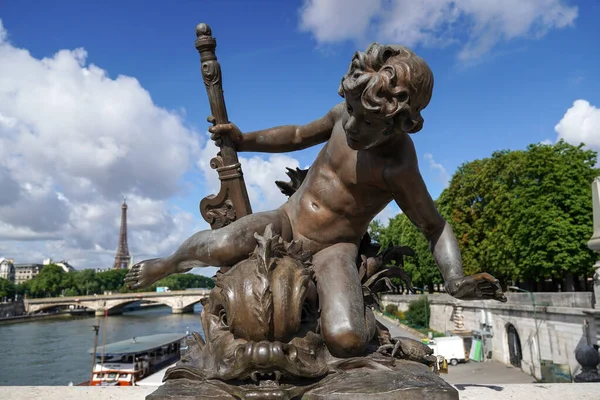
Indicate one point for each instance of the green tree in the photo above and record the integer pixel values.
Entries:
(48, 283)
(554, 209)
(112, 280)
(524, 215)
(67, 283)
(23, 288)
(418, 312)
(402, 232)
(375, 230)
(7, 289)
(183, 281)
(87, 282)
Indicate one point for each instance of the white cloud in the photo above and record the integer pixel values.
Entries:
(580, 124)
(478, 25)
(547, 142)
(260, 175)
(442, 175)
(3, 33)
(336, 20)
(74, 141)
(390, 211)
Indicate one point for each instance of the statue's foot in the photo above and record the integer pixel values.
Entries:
(145, 273)
(481, 286)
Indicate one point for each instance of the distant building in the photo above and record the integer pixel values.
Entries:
(63, 264)
(7, 269)
(25, 272)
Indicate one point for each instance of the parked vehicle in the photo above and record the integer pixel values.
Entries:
(452, 348)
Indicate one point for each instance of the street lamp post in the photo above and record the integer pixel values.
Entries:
(96, 328)
(536, 322)
(594, 243)
(586, 354)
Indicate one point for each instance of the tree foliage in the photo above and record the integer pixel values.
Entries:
(401, 232)
(376, 228)
(523, 216)
(7, 289)
(184, 281)
(418, 312)
(52, 281)
(48, 283)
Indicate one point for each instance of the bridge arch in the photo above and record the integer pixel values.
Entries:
(177, 304)
(178, 301)
(47, 307)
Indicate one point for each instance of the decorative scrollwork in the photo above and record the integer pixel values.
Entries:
(230, 172)
(211, 72)
(220, 216)
(217, 161)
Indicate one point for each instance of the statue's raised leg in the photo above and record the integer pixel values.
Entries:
(220, 247)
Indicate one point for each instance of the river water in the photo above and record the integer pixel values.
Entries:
(55, 352)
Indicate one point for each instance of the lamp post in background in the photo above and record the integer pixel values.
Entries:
(535, 321)
(594, 242)
(96, 328)
(586, 353)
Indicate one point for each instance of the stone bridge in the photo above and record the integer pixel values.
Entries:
(180, 301)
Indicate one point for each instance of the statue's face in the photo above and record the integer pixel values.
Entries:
(365, 129)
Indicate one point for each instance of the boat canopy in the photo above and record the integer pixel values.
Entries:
(138, 344)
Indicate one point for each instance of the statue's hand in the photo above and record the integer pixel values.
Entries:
(217, 131)
(481, 286)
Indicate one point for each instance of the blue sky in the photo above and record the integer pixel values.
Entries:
(505, 75)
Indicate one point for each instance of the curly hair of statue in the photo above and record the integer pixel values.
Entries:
(390, 80)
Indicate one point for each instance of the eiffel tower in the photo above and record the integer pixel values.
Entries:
(122, 258)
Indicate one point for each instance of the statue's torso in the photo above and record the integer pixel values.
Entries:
(343, 191)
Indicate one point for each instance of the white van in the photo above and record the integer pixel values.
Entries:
(452, 348)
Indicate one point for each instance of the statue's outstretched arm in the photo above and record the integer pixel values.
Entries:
(286, 138)
(406, 183)
(418, 206)
(413, 198)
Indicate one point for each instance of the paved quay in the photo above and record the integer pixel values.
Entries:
(395, 328)
(553, 391)
(486, 373)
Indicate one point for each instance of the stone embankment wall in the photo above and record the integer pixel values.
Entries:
(12, 309)
(560, 319)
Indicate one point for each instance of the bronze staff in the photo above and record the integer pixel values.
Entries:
(232, 202)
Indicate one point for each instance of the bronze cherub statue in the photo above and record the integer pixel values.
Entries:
(368, 160)
(262, 337)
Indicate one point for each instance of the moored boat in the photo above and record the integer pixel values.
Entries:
(127, 362)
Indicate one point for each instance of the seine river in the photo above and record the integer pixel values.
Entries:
(55, 352)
